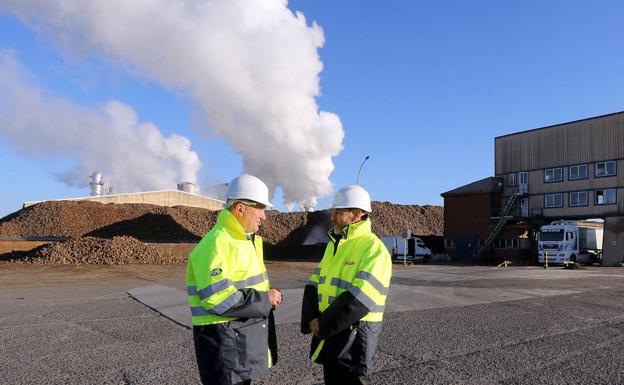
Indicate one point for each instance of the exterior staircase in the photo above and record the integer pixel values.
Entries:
(498, 227)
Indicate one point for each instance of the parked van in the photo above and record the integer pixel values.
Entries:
(412, 249)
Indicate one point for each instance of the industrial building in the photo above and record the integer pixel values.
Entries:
(468, 213)
(187, 194)
(572, 170)
(161, 198)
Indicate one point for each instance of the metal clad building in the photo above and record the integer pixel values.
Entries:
(582, 141)
(584, 157)
(570, 170)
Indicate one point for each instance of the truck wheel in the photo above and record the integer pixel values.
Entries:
(573, 258)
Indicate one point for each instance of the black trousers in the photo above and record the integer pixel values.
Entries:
(335, 374)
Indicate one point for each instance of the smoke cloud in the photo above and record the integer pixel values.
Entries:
(252, 66)
(132, 155)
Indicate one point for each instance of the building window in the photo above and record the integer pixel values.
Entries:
(500, 243)
(578, 172)
(515, 243)
(605, 169)
(553, 175)
(577, 198)
(511, 180)
(449, 243)
(553, 200)
(606, 197)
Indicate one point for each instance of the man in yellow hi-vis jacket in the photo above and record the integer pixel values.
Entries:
(344, 299)
(229, 294)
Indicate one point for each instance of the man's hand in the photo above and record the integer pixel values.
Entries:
(314, 326)
(275, 297)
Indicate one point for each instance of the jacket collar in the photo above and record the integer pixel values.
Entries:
(228, 221)
(353, 230)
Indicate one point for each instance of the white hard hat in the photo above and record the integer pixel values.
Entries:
(352, 196)
(248, 187)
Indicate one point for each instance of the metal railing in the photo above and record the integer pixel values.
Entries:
(504, 218)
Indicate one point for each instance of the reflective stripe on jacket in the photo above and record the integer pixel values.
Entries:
(228, 289)
(223, 262)
(356, 266)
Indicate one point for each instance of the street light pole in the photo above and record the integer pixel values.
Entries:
(357, 181)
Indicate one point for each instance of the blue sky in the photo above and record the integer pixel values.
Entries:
(422, 87)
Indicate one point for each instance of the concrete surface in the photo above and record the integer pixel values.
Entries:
(452, 325)
(172, 303)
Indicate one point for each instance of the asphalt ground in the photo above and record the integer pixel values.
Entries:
(77, 325)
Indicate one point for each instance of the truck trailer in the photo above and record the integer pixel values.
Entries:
(571, 241)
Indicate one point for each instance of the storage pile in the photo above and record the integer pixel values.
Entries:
(392, 219)
(94, 251)
(115, 233)
(72, 219)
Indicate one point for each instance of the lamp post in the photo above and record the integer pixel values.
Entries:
(357, 181)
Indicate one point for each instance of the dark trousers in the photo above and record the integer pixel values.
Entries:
(335, 374)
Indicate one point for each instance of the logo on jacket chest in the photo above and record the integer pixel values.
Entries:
(349, 263)
(216, 272)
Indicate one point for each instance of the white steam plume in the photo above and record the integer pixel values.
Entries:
(133, 156)
(251, 65)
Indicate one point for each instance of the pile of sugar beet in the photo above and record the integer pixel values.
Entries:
(96, 233)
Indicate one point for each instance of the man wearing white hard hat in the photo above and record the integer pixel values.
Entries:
(228, 291)
(344, 299)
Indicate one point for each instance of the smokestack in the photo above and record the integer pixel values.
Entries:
(189, 187)
(96, 183)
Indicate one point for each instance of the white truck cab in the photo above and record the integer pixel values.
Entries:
(570, 241)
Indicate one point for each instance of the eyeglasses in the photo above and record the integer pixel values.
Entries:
(343, 209)
(253, 204)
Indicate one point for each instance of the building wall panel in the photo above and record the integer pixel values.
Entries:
(467, 214)
(538, 186)
(582, 142)
(536, 207)
(613, 242)
(576, 142)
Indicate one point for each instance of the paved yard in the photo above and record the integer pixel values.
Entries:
(446, 325)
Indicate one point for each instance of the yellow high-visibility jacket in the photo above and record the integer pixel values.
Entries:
(347, 293)
(228, 288)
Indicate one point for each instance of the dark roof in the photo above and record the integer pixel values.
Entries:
(560, 124)
(489, 184)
